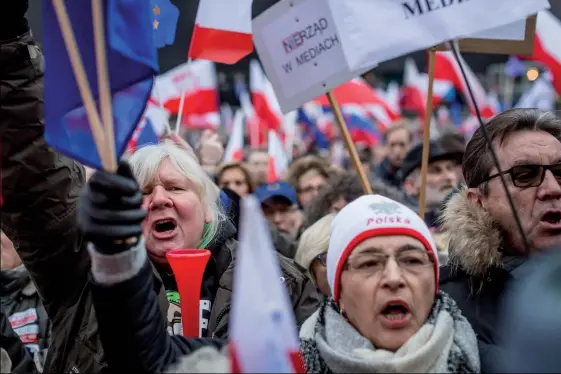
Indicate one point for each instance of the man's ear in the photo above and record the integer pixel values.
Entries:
(474, 195)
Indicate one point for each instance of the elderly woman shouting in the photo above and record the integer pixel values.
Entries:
(386, 313)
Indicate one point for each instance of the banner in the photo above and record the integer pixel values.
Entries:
(300, 49)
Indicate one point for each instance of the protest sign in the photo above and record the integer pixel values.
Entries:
(375, 31)
(300, 49)
(515, 39)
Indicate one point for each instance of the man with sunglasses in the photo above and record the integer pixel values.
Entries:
(487, 249)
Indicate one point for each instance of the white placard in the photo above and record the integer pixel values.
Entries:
(512, 31)
(375, 31)
(300, 49)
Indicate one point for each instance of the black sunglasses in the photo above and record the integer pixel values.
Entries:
(525, 176)
(322, 258)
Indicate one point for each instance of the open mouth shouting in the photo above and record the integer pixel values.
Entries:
(551, 219)
(164, 228)
(395, 314)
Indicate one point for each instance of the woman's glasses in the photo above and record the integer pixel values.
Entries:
(525, 176)
(412, 261)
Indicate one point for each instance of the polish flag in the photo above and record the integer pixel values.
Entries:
(263, 96)
(257, 134)
(222, 31)
(447, 68)
(263, 336)
(234, 149)
(415, 88)
(278, 160)
(547, 45)
(198, 80)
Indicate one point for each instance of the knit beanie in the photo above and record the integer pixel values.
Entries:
(370, 216)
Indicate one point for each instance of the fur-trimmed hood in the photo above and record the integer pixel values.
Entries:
(475, 239)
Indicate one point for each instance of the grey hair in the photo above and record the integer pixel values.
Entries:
(478, 163)
(146, 161)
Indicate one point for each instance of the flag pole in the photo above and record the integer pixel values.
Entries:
(181, 103)
(106, 108)
(81, 79)
(349, 142)
(426, 134)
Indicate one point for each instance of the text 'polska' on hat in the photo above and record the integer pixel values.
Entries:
(367, 217)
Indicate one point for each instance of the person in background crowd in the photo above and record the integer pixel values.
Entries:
(454, 141)
(236, 177)
(397, 140)
(283, 244)
(258, 164)
(308, 175)
(441, 177)
(280, 206)
(209, 150)
(14, 357)
(486, 247)
(312, 252)
(342, 188)
(386, 313)
(22, 305)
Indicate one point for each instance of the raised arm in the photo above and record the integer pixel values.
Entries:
(40, 187)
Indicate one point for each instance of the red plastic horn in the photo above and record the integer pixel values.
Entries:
(188, 266)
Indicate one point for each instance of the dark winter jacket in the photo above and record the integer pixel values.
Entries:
(41, 190)
(24, 309)
(478, 275)
(388, 173)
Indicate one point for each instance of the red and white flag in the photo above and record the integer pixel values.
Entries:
(265, 102)
(447, 68)
(278, 160)
(234, 149)
(222, 31)
(547, 46)
(262, 332)
(198, 81)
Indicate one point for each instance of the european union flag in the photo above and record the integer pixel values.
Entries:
(147, 135)
(164, 24)
(132, 63)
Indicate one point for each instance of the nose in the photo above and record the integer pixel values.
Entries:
(160, 199)
(277, 218)
(450, 176)
(392, 277)
(550, 189)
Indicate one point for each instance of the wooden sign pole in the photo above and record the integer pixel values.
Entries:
(349, 142)
(426, 134)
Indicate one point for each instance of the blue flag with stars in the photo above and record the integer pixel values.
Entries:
(164, 24)
(131, 60)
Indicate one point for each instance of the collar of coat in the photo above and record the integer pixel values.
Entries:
(475, 239)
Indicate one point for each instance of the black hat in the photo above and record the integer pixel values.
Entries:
(437, 152)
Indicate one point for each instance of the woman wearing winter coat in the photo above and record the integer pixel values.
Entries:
(386, 313)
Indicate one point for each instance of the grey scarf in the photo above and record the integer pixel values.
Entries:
(445, 344)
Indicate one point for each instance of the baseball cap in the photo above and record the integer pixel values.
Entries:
(278, 190)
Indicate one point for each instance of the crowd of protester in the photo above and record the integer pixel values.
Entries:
(86, 285)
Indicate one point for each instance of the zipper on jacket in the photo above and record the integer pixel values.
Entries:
(219, 318)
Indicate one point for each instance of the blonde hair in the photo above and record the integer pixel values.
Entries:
(146, 161)
(314, 241)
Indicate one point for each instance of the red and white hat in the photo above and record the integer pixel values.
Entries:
(367, 217)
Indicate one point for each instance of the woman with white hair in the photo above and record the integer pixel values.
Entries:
(164, 201)
(386, 314)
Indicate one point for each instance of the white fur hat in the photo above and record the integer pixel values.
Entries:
(367, 217)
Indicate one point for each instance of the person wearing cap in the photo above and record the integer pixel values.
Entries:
(279, 202)
(386, 313)
(441, 176)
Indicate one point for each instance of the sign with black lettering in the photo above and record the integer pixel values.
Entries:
(376, 31)
(300, 48)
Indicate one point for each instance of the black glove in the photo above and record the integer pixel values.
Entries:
(110, 212)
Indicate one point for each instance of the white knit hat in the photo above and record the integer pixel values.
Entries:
(367, 217)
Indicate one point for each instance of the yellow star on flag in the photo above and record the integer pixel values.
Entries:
(156, 24)
(156, 10)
